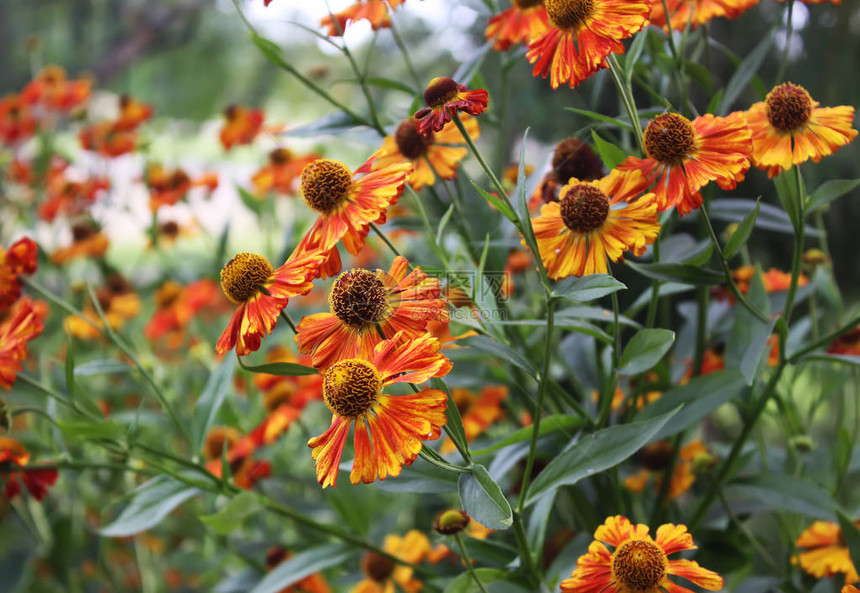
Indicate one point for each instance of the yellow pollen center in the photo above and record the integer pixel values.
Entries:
(325, 183)
(669, 137)
(639, 565)
(583, 208)
(523, 4)
(377, 567)
(788, 107)
(358, 298)
(350, 387)
(569, 14)
(410, 143)
(440, 90)
(244, 275)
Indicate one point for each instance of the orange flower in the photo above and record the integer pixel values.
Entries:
(685, 156)
(701, 11)
(87, 241)
(352, 390)
(132, 113)
(295, 391)
(581, 35)
(347, 203)
(22, 324)
(477, 412)
(639, 563)
(827, 555)
(655, 459)
(444, 97)
(383, 575)
(67, 197)
(789, 128)
(429, 154)
(261, 293)
(523, 22)
(368, 307)
(241, 125)
(374, 11)
(774, 280)
(52, 90)
(176, 306)
(849, 588)
(166, 188)
(36, 480)
(17, 261)
(118, 302)
(836, 2)
(281, 173)
(314, 583)
(847, 343)
(107, 139)
(571, 158)
(576, 235)
(16, 122)
(619, 396)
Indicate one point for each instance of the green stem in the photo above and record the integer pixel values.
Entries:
(286, 317)
(402, 47)
(627, 98)
(655, 289)
(528, 561)
(797, 254)
(464, 555)
(701, 329)
(825, 340)
(53, 394)
(431, 457)
(386, 240)
(497, 185)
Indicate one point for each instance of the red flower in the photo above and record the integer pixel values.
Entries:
(444, 98)
(36, 480)
(22, 325)
(18, 260)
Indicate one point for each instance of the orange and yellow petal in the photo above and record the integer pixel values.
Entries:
(327, 449)
(697, 12)
(22, 325)
(516, 25)
(593, 572)
(401, 360)
(618, 529)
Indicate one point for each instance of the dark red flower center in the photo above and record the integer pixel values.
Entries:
(655, 456)
(350, 387)
(244, 275)
(788, 107)
(82, 230)
(569, 14)
(440, 90)
(169, 229)
(279, 156)
(410, 143)
(358, 298)
(377, 567)
(325, 183)
(669, 137)
(523, 4)
(575, 158)
(639, 565)
(583, 207)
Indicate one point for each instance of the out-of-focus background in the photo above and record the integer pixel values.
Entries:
(191, 58)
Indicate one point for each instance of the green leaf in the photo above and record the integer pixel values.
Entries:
(742, 233)
(644, 350)
(302, 565)
(786, 189)
(465, 583)
(784, 492)
(85, 430)
(152, 501)
(420, 478)
(483, 500)
(388, 83)
(701, 396)
(209, 402)
(252, 202)
(595, 453)
(102, 367)
(496, 202)
(576, 325)
(849, 359)
(522, 198)
(770, 217)
(744, 74)
(587, 288)
(443, 222)
(749, 335)
(334, 123)
(595, 314)
(282, 369)
(549, 424)
(471, 67)
(828, 192)
(499, 350)
(851, 534)
(600, 117)
(454, 425)
(680, 273)
(610, 154)
(230, 517)
(632, 55)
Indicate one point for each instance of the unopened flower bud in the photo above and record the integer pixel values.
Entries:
(451, 521)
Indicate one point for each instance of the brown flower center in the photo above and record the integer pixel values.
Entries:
(167, 294)
(575, 158)
(358, 298)
(377, 567)
(639, 565)
(669, 137)
(583, 208)
(569, 14)
(218, 439)
(169, 229)
(243, 276)
(280, 156)
(350, 387)
(440, 90)
(82, 230)
(410, 143)
(231, 112)
(527, 3)
(788, 107)
(655, 456)
(325, 182)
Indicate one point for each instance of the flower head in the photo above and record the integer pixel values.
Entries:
(352, 390)
(19, 260)
(314, 583)
(295, 391)
(655, 458)
(22, 324)
(789, 128)
(261, 293)
(87, 241)
(429, 154)
(581, 35)
(367, 307)
(35, 480)
(132, 113)
(166, 187)
(16, 121)
(638, 563)
(444, 98)
(683, 156)
(281, 173)
(523, 22)
(827, 554)
(347, 204)
(176, 306)
(107, 139)
(241, 125)
(700, 11)
(571, 158)
(52, 90)
(593, 221)
(373, 11)
(384, 575)
(118, 302)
